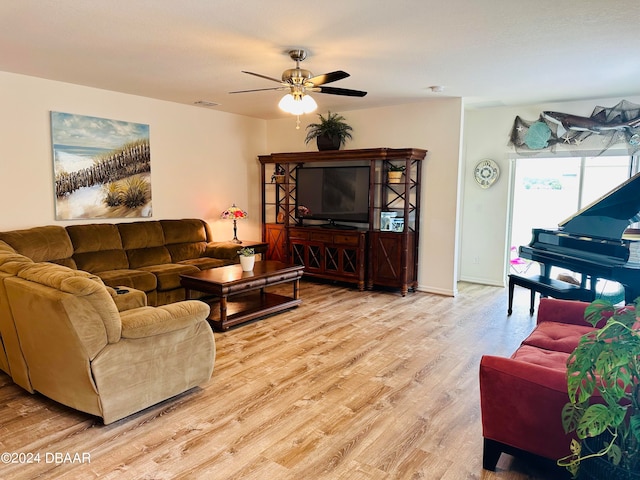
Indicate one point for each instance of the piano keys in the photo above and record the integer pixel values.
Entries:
(596, 241)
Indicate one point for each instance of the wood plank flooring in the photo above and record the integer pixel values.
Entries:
(350, 385)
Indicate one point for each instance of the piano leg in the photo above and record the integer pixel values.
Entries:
(511, 285)
(513, 279)
(533, 301)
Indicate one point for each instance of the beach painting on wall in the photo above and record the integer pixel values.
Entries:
(102, 167)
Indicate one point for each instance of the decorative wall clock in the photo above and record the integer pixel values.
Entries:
(486, 173)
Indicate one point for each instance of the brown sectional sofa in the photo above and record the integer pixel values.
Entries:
(146, 255)
(66, 335)
(66, 332)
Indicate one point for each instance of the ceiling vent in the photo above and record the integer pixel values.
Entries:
(206, 103)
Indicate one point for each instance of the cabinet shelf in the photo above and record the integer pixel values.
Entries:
(383, 256)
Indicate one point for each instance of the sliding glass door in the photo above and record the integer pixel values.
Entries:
(547, 191)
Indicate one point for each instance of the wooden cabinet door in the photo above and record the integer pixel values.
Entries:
(392, 260)
(276, 238)
(309, 254)
(386, 265)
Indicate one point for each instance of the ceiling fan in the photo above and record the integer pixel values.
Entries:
(299, 82)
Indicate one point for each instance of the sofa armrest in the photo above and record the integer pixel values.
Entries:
(562, 311)
(128, 300)
(521, 405)
(222, 250)
(149, 321)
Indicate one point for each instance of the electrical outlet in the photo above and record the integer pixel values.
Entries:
(476, 260)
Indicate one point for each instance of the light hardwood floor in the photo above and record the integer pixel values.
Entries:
(350, 385)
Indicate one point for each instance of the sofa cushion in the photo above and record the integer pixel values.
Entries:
(168, 274)
(559, 337)
(185, 239)
(150, 321)
(147, 257)
(12, 262)
(544, 358)
(205, 263)
(128, 298)
(104, 260)
(5, 247)
(56, 276)
(141, 235)
(138, 279)
(183, 231)
(42, 244)
(186, 251)
(94, 237)
(81, 285)
(144, 244)
(225, 250)
(97, 247)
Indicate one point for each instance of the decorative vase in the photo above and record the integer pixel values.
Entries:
(394, 176)
(247, 262)
(326, 142)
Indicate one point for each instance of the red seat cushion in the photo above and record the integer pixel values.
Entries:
(544, 358)
(559, 337)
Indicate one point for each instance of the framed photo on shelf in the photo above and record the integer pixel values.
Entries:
(397, 224)
(386, 219)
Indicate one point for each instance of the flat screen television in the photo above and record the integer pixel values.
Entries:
(333, 194)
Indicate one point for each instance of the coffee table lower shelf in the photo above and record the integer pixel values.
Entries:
(237, 296)
(248, 306)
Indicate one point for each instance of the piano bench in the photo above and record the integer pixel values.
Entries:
(547, 287)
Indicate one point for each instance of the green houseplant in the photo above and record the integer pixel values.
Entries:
(604, 396)
(247, 258)
(279, 174)
(331, 133)
(246, 252)
(394, 173)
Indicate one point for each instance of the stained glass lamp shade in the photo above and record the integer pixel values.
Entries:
(234, 213)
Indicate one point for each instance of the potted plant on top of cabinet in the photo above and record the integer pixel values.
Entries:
(394, 173)
(331, 133)
(603, 379)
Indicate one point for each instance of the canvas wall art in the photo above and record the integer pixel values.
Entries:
(102, 167)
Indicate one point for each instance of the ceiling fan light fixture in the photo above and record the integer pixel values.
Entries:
(288, 104)
(297, 105)
(308, 104)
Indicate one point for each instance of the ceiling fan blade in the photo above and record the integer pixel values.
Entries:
(328, 77)
(341, 91)
(260, 90)
(263, 76)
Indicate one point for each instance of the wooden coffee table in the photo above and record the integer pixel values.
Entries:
(250, 301)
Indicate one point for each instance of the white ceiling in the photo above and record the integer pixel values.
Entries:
(490, 52)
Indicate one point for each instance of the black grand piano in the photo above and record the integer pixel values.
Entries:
(596, 241)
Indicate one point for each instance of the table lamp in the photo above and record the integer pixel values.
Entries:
(234, 213)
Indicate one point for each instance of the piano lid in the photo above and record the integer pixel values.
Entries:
(610, 215)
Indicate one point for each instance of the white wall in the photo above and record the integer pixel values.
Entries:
(434, 125)
(201, 160)
(485, 217)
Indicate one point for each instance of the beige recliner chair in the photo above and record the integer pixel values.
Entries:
(64, 336)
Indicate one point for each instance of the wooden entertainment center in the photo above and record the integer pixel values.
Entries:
(382, 252)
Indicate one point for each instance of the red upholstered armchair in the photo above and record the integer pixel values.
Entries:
(522, 397)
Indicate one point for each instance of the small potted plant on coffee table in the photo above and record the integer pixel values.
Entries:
(247, 258)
